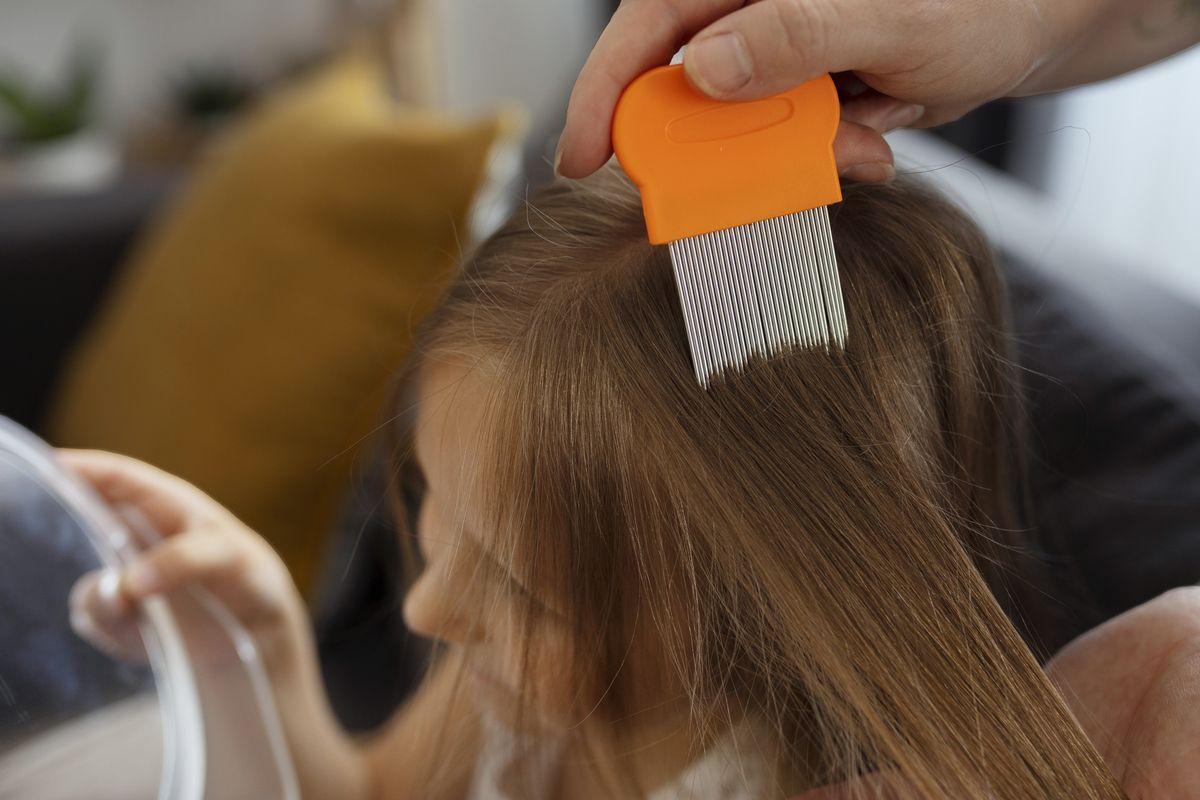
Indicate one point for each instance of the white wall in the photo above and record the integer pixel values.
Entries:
(490, 50)
(1123, 157)
(148, 43)
(524, 50)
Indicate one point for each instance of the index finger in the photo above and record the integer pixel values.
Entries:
(168, 503)
(641, 34)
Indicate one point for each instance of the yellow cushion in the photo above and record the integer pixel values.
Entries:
(250, 345)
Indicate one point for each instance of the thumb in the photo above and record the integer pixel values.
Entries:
(772, 45)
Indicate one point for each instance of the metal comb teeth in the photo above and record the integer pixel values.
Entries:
(759, 289)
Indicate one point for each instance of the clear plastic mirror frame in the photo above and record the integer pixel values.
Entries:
(192, 717)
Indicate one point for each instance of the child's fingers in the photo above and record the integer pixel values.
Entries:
(99, 595)
(240, 572)
(194, 556)
(168, 503)
(101, 615)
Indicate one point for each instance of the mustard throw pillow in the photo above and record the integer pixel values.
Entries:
(250, 345)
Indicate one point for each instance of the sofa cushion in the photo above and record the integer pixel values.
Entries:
(250, 344)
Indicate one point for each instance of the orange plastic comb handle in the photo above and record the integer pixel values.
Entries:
(703, 165)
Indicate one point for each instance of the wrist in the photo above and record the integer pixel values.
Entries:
(1085, 41)
(329, 762)
(1060, 28)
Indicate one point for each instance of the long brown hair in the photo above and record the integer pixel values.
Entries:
(826, 537)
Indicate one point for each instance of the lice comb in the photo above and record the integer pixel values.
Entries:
(740, 192)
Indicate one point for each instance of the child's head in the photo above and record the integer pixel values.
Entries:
(805, 541)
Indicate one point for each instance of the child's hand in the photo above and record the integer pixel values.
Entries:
(195, 541)
(198, 542)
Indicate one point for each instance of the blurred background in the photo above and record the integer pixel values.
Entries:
(96, 90)
(220, 220)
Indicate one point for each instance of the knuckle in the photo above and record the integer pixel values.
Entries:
(671, 11)
(233, 561)
(162, 552)
(805, 25)
(175, 560)
(270, 613)
(254, 557)
(228, 557)
(191, 553)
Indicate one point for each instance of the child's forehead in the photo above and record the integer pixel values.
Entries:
(450, 423)
(450, 443)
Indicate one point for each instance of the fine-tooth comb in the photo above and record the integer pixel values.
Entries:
(740, 191)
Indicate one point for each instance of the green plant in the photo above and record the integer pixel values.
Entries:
(32, 114)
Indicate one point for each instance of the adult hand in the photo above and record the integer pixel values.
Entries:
(906, 62)
(1133, 684)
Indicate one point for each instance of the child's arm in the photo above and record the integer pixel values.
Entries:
(203, 544)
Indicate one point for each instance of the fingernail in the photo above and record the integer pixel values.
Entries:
(903, 116)
(719, 64)
(141, 579)
(82, 622)
(108, 588)
(875, 172)
(558, 157)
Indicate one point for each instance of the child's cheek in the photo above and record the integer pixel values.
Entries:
(550, 680)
